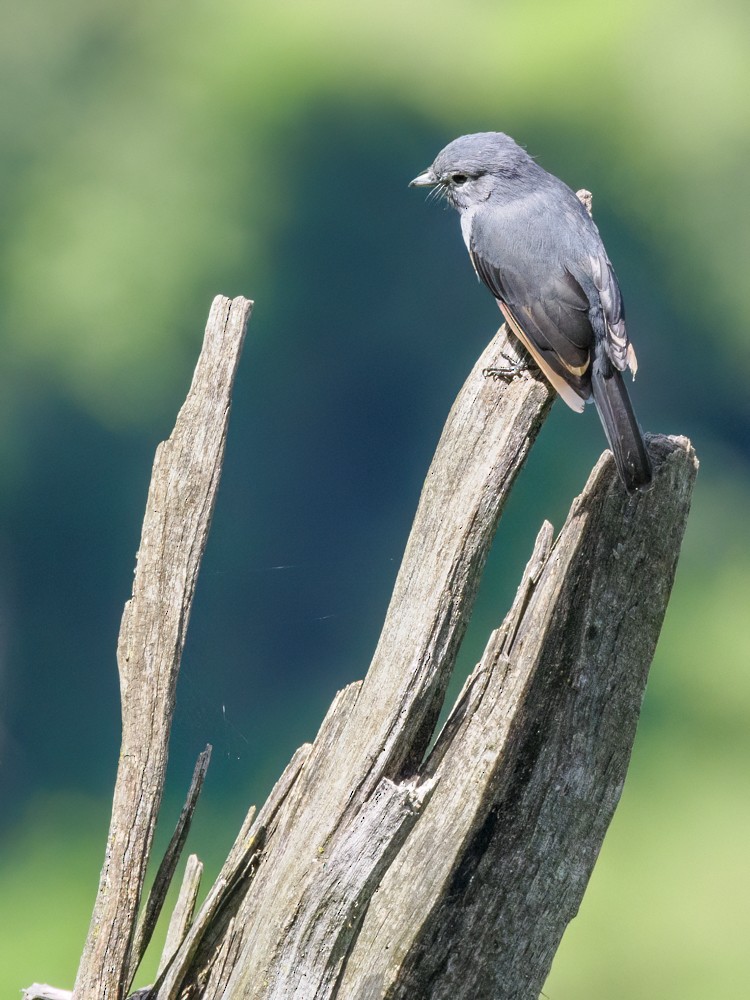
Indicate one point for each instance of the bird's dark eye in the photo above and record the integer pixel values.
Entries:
(459, 178)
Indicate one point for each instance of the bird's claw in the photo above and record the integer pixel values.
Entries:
(516, 366)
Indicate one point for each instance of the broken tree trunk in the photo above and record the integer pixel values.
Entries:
(378, 869)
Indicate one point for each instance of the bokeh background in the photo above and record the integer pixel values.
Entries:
(156, 154)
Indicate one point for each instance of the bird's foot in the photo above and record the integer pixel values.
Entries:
(515, 366)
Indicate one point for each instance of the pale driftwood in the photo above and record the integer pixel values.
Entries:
(532, 761)
(182, 915)
(530, 767)
(331, 910)
(180, 503)
(287, 934)
(163, 879)
(387, 727)
(205, 946)
(375, 872)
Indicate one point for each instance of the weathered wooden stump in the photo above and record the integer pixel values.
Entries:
(380, 868)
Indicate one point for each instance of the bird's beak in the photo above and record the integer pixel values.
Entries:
(426, 179)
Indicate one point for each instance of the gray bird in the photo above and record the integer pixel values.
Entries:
(535, 247)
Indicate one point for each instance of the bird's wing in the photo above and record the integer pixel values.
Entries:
(552, 322)
(619, 348)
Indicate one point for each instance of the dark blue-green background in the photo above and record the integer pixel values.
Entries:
(154, 155)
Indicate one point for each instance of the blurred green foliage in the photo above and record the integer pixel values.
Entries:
(155, 155)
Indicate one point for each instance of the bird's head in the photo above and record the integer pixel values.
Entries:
(474, 167)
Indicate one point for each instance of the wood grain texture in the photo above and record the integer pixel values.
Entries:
(165, 873)
(529, 766)
(532, 761)
(180, 503)
(378, 870)
(381, 728)
(208, 951)
(182, 915)
(543, 731)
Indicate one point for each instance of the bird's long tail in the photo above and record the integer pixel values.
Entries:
(621, 427)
